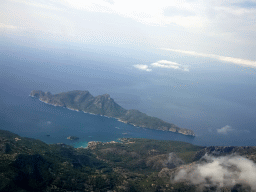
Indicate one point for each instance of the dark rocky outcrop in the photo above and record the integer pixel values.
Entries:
(216, 151)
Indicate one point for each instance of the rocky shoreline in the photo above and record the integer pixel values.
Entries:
(127, 116)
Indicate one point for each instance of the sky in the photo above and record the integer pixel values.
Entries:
(216, 29)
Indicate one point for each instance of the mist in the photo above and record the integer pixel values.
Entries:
(226, 171)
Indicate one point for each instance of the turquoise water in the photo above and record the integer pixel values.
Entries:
(208, 97)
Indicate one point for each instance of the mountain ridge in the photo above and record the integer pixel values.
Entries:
(105, 105)
(133, 164)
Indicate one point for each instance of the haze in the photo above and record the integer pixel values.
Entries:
(191, 63)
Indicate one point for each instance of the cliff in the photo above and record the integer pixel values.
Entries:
(105, 105)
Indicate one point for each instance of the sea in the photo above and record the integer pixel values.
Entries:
(214, 99)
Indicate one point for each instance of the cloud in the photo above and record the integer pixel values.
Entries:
(49, 5)
(245, 4)
(152, 14)
(169, 64)
(233, 60)
(143, 67)
(5, 26)
(198, 16)
(224, 171)
(190, 23)
(162, 64)
(225, 130)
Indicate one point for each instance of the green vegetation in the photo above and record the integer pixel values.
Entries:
(129, 165)
(143, 155)
(31, 165)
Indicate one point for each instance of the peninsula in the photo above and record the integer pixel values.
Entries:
(104, 105)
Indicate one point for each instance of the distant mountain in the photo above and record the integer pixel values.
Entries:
(104, 105)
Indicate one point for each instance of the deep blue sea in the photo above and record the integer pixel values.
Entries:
(210, 96)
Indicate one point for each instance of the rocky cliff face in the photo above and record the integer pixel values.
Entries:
(47, 97)
(105, 105)
(248, 151)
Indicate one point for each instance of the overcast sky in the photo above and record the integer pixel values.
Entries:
(211, 28)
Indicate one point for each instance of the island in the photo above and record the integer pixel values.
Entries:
(73, 138)
(104, 105)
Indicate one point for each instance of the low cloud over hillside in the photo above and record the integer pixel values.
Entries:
(225, 171)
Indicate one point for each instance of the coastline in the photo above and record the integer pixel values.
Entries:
(120, 120)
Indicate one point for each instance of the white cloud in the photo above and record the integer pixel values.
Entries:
(218, 57)
(90, 5)
(143, 67)
(225, 130)
(214, 25)
(162, 64)
(5, 26)
(151, 14)
(204, 16)
(170, 65)
(168, 62)
(49, 5)
(221, 172)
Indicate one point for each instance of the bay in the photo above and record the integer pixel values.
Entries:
(205, 99)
